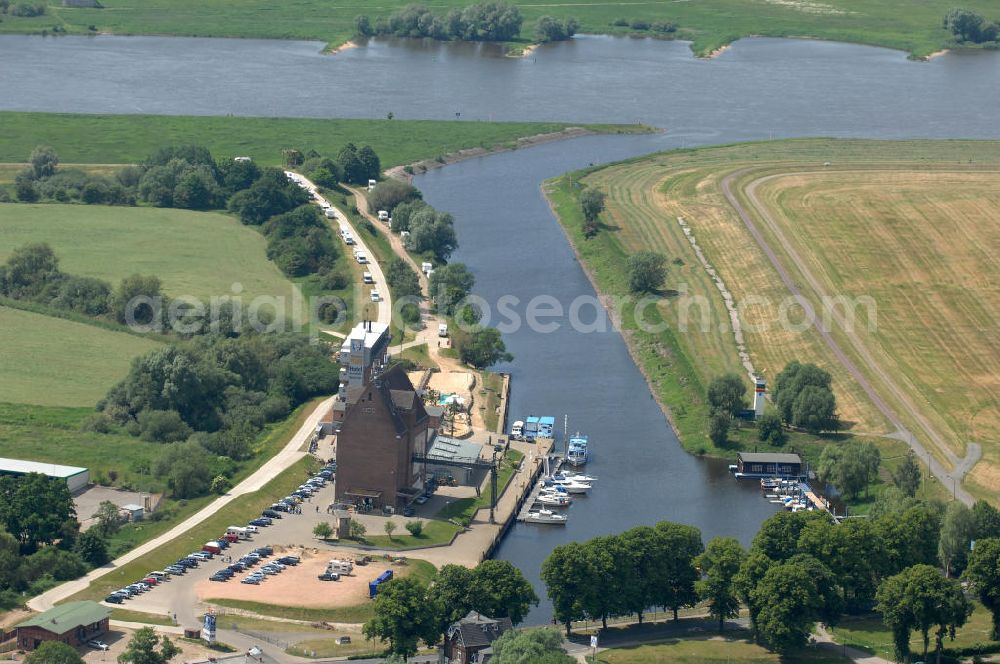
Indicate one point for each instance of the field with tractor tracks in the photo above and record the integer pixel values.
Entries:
(892, 244)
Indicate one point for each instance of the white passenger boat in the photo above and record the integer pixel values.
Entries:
(554, 499)
(546, 516)
(576, 449)
(571, 486)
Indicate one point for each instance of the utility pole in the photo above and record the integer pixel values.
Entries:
(493, 485)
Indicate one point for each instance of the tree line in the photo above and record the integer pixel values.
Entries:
(968, 26)
(800, 569)
(493, 20)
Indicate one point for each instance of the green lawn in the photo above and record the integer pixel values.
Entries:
(871, 635)
(202, 254)
(127, 615)
(120, 139)
(55, 362)
(434, 532)
(910, 25)
(733, 648)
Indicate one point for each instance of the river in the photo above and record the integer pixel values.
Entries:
(758, 89)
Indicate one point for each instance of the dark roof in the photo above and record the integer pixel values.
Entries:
(403, 399)
(475, 630)
(769, 457)
(67, 617)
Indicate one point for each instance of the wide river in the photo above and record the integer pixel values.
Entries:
(758, 89)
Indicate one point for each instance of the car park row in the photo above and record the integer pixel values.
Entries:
(234, 534)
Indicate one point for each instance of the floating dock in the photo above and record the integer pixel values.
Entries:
(555, 463)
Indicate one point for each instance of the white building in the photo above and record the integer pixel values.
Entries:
(76, 478)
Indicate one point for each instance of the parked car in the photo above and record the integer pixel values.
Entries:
(329, 576)
(272, 514)
(97, 645)
(263, 551)
(251, 580)
(151, 581)
(114, 599)
(251, 528)
(218, 577)
(262, 521)
(289, 560)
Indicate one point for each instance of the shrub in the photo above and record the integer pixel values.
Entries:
(639, 24)
(620, 22)
(415, 528)
(162, 426)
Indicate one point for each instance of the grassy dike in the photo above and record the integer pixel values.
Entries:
(673, 379)
(126, 139)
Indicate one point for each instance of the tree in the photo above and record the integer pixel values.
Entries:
(187, 469)
(401, 277)
(646, 271)
(846, 550)
(415, 528)
(681, 544)
(727, 394)
(30, 270)
(92, 548)
(919, 598)
(389, 193)
(449, 284)
(850, 467)
(108, 518)
(43, 161)
(162, 426)
(390, 528)
(432, 231)
(24, 187)
(769, 429)
(814, 409)
(35, 509)
(567, 575)
(53, 652)
(907, 476)
(551, 29)
(965, 24)
(718, 428)
(357, 530)
(142, 649)
(752, 571)
(371, 166)
(592, 204)
(363, 26)
(138, 301)
(450, 593)
(499, 590)
(719, 565)
(481, 347)
(530, 646)
(987, 520)
(983, 573)
(644, 562)
(789, 602)
(958, 527)
(402, 616)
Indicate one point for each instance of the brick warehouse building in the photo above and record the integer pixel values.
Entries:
(379, 434)
(73, 623)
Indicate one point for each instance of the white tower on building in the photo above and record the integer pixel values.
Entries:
(759, 391)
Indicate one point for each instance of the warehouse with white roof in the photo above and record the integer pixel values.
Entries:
(76, 478)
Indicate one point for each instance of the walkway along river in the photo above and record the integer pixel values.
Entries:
(756, 90)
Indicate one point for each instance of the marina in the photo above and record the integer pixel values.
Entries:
(553, 493)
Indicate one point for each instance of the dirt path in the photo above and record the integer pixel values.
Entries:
(961, 466)
(825, 641)
(288, 455)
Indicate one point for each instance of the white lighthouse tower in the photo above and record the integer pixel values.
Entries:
(759, 390)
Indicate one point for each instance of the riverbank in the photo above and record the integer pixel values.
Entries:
(647, 194)
(913, 26)
(407, 171)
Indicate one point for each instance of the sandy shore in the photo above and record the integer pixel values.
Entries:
(937, 54)
(524, 52)
(717, 52)
(346, 46)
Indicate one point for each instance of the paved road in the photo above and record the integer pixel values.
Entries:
(341, 219)
(288, 455)
(961, 466)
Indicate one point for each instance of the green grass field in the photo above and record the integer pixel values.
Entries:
(647, 195)
(909, 25)
(54, 362)
(120, 139)
(202, 254)
(869, 634)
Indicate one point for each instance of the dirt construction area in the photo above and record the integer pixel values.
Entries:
(299, 586)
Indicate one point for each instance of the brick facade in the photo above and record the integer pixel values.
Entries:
(30, 637)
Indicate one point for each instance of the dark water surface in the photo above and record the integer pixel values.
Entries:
(758, 89)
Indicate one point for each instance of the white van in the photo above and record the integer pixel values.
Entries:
(443, 330)
(367, 278)
(426, 267)
(375, 296)
(348, 238)
(239, 531)
(330, 214)
(253, 529)
(371, 184)
(361, 258)
(383, 215)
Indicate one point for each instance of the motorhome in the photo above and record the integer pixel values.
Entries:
(361, 258)
(239, 531)
(383, 215)
(426, 267)
(330, 214)
(337, 566)
(443, 330)
(367, 278)
(371, 184)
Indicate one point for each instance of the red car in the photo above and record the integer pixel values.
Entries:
(151, 580)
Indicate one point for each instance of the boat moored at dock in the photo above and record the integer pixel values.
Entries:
(577, 449)
(546, 516)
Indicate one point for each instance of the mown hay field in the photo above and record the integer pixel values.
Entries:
(911, 224)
